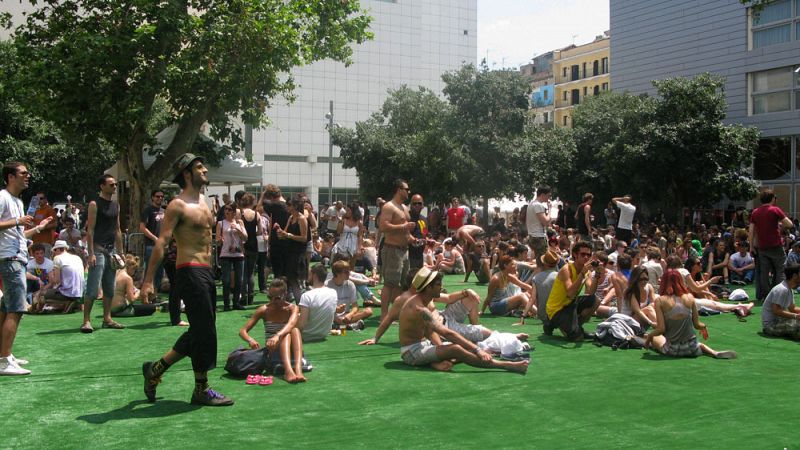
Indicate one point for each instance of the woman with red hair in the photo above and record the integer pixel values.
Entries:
(676, 320)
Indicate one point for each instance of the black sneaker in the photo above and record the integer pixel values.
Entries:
(210, 398)
(150, 381)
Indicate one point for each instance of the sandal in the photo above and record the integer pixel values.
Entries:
(265, 381)
(741, 313)
(114, 325)
(86, 328)
(253, 379)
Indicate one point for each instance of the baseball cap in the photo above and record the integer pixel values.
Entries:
(182, 163)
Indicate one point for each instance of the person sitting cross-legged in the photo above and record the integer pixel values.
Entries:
(741, 265)
(67, 279)
(125, 293)
(506, 293)
(566, 310)
(283, 339)
(676, 320)
(420, 333)
(779, 314)
(347, 311)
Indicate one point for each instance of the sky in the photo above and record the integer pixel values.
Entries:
(514, 31)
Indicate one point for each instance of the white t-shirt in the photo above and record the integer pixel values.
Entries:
(333, 218)
(40, 270)
(71, 237)
(12, 240)
(321, 305)
(71, 267)
(626, 212)
(346, 293)
(738, 261)
(532, 222)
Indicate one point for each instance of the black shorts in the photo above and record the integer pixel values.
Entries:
(566, 319)
(195, 285)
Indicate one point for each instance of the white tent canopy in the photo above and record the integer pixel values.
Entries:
(232, 170)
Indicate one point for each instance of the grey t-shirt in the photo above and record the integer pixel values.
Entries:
(321, 304)
(346, 293)
(780, 295)
(544, 284)
(534, 225)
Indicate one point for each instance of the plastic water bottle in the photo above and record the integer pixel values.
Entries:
(34, 205)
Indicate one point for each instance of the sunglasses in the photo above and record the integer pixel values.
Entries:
(585, 255)
(23, 173)
(416, 203)
(276, 297)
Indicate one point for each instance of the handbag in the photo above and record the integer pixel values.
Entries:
(242, 362)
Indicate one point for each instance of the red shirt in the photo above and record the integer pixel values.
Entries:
(455, 218)
(766, 219)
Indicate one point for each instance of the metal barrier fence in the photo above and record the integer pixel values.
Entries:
(134, 244)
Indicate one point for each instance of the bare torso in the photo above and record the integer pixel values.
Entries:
(193, 230)
(414, 325)
(396, 214)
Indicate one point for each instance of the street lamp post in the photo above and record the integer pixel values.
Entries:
(329, 116)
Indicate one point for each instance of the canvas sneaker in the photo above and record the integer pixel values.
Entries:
(358, 326)
(19, 361)
(9, 367)
(150, 381)
(210, 398)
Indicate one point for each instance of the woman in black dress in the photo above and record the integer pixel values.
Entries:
(295, 235)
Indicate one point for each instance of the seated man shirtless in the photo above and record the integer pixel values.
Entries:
(419, 335)
(461, 306)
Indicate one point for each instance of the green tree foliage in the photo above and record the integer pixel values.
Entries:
(669, 151)
(58, 165)
(97, 69)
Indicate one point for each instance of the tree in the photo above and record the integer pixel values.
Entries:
(670, 151)
(405, 139)
(97, 68)
(58, 166)
(489, 113)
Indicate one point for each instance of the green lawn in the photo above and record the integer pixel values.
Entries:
(86, 392)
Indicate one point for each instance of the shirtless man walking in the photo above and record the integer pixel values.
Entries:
(420, 331)
(190, 221)
(396, 227)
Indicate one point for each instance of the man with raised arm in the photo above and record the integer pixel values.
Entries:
(396, 226)
(189, 220)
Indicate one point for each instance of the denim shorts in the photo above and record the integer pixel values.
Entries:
(499, 307)
(14, 287)
(101, 272)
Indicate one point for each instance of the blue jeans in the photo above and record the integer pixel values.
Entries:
(101, 272)
(159, 275)
(364, 292)
(747, 276)
(14, 287)
(236, 267)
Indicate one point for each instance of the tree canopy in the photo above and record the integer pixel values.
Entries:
(97, 68)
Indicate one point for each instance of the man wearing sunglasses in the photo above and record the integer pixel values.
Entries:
(419, 233)
(566, 310)
(396, 226)
(13, 258)
(150, 226)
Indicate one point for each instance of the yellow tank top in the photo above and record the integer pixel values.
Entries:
(558, 295)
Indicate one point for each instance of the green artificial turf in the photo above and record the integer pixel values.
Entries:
(86, 392)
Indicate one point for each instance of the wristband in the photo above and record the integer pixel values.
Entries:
(477, 349)
(16, 221)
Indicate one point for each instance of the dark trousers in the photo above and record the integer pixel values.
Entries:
(250, 260)
(197, 289)
(770, 263)
(261, 266)
(174, 298)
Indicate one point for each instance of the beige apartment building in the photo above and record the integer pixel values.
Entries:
(579, 72)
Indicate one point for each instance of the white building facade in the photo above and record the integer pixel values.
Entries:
(415, 42)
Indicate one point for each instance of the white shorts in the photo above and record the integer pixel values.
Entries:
(421, 353)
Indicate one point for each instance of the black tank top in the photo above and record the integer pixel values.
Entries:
(295, 246)
(251, 244)
(105, 226)
(582, 220)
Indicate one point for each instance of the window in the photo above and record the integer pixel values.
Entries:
(346, 196)
(604, 63)
(565, 73)
(546, 116)
(595, 69)
(772, 90)
(545, 94)
(605, 86)
(777, 22)
(596, 89)
(773, 159)
(566, 119)
(565, 95)
(585, 91)
(584, 70)
(576, 96)
(576, 72)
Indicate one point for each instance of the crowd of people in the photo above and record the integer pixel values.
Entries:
(649, 279)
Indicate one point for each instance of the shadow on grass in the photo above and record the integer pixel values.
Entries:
(653, 356)
(132, 410)
(64, 331)
(560, 342)
(148, 325)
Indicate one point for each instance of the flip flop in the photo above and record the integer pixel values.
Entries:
(113, 325)
(265, 381)
(86, 329)
(253, 379)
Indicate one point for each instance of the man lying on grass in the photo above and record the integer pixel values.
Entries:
(419, 334)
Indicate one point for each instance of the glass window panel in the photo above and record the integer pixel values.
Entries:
(797, 28)
(770, 80)
(775, 102)
(772, 160)
(783, 196)
(797, 8)
(771, 36)
(773, 11)
(794, 212)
